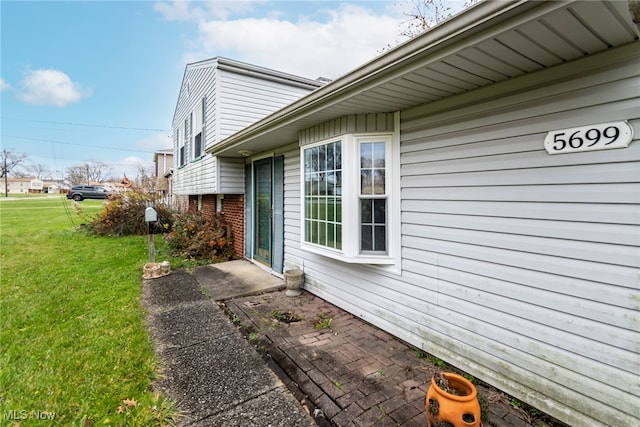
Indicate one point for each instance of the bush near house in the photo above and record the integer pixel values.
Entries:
(197, 235)
(123, 215)
(189, 235)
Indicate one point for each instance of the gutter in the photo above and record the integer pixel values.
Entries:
(471, 21)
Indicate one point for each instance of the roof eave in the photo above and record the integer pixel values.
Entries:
(437, 38)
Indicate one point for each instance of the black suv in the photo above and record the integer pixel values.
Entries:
(81, 192)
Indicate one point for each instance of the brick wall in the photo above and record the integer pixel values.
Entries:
(193, 204)
(181, 203)
(234, 216)
(208, 204)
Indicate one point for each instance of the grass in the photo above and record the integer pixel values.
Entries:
(72, 333)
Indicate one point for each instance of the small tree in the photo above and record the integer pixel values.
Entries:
(10, 160)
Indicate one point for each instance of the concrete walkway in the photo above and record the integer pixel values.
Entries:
(211, 371)
(336, 367)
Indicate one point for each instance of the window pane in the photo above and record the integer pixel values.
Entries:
(366, 183)
(338, 154)
(338, 236)
(331, 183)
(331, 209)
(378, 155)
(379, 238)
(307, 207)
(330, 160)
(373, 228)
(331, 237)
(322, 208)
(314, 159)
(365, 211)
(379, 211)
(314, 232)
(322, 158)
(366, 156)
(366, 243)
(378, 181)
(322, 190)
(314, 183)
(338, 209)
(307, 161)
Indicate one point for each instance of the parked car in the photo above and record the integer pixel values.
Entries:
(81, 192)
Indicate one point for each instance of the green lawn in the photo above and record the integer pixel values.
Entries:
(72, 334)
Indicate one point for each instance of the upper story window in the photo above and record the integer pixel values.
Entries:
(348, 193)
(181, 137)
(198, 129)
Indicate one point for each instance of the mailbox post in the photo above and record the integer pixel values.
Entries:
(151, 216)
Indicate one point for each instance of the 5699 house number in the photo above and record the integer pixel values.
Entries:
(603, 136)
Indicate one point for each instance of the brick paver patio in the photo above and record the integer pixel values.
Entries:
(345, 371)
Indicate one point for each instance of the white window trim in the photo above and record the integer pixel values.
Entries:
(350, 252)
(197, 128)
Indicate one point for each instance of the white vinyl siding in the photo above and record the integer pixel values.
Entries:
(246, 99)
(195, 177)
(234, 99)
(230, 176)
(518, 266)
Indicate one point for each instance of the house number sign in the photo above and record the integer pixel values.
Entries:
(602, 136)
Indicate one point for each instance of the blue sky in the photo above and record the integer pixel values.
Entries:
(98, 80)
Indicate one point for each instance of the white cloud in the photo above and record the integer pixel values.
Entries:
(154, 142)
(350, 36)
(328, 43)
(4, 85)
(51, 87)
(129, 166)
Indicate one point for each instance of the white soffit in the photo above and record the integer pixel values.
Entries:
(491, 42)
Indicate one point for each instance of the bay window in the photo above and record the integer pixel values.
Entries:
(347, 194)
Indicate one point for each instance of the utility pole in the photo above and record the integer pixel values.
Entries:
(4, 172)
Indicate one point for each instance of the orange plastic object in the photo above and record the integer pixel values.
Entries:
(461, 409)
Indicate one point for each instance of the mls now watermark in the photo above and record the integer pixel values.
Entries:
(22, 415)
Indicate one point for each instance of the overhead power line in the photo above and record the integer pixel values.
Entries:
(80, 145)
(88, 125)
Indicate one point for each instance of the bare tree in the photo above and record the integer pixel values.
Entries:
(145, 178)
(424, 15)
(10, 160)
(39, 171)
(92, 171)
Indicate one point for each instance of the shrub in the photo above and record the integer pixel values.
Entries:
(123, 215)
(200, 236)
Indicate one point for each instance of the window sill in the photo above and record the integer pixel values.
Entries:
(198, 158)
(340, 256)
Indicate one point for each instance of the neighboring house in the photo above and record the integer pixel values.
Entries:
(162, 171)
(29, 185)
(219, 97)
(16, 185)
(459, 192)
